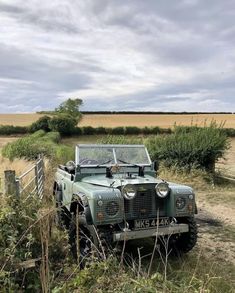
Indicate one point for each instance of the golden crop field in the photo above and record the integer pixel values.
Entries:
(139, 120)
(164, 121)
(18, 119)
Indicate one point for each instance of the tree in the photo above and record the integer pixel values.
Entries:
(64, 124)
(70, 107)
(41, 123)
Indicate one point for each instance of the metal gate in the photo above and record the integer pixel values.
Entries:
(31, 182)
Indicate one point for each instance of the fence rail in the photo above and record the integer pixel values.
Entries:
(30, 183)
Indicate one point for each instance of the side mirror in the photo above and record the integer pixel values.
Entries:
(156, 166)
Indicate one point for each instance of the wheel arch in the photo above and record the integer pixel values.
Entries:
(80, 201)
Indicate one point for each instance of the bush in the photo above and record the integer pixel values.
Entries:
(62, 124)
(146, 130)
(100, 130)
(10, 129)
(41, 124)
(77, 131)
(132, 130)
(31, 146)
(121, 139)
(229, 132)
(156, 130)
(88, 130)
(15, 218)
(199, 147)
(118, 130)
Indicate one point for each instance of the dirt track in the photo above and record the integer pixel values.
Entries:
(216, 229)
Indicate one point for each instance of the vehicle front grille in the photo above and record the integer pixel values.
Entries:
(144, 205)
(112, 208)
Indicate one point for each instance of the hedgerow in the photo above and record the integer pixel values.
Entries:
(11, 129)
(189, 147)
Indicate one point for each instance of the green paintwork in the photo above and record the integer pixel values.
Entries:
(93, 183)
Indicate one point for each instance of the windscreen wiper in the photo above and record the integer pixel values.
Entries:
(141, 168)
(101, 164)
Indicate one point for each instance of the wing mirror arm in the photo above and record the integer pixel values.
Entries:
(155, 166)
(141, 171)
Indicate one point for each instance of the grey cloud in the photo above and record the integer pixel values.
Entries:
(118, 55)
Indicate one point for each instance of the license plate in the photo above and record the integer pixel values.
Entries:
(151, 223)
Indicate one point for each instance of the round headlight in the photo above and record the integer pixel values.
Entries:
(129, 191)
(180, 203)
(162, 189)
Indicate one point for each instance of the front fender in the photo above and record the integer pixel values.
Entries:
(80, 202)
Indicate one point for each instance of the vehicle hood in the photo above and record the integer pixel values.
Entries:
(118, 181)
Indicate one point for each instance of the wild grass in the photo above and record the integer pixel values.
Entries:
(28, 231)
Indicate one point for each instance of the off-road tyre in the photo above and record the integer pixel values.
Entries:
(184, 242)
(87, 240)
(63, 217)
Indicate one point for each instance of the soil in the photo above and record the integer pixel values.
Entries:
(216, 226)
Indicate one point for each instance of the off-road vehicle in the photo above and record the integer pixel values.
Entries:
(115, 194)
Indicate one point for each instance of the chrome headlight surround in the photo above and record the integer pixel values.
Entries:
(162, 189)
(129, 191)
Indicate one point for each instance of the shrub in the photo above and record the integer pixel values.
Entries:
(229, 132)
(64, 153)
(88, 130)
(146, 130)
(41, 124)
(62, 124)
(121, 139)
(100, 130)
(15, 219)
(132, 130)
(156, 130)
(52, 136)
(199, 147)
(10, 129)
(118, 130)
(77, 131)
(31, 146)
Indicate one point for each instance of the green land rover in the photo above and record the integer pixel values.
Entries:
(110, 194)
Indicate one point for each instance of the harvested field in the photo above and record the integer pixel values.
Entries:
(164, 121)
(139, 120)
(18, 119)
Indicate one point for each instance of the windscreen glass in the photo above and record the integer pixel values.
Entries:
(89, 155)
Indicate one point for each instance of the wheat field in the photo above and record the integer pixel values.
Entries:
(139, 120)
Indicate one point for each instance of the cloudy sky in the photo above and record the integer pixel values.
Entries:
(158, 55)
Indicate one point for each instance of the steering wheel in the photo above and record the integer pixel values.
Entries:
(87, 161)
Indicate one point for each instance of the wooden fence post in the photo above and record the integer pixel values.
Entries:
(11, 186)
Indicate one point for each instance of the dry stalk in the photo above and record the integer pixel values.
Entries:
(45, 227)
(77, 233)
(155, 245)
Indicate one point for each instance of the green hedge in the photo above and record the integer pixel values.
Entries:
(189, 147)
(120, 130)
(65, 126)
(41, 124)
(10, 129)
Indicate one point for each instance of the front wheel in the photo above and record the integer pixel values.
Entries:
(87, 240)
(63, 216)
(184, 242)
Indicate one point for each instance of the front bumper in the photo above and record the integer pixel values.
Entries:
(153, 232)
